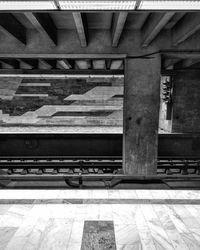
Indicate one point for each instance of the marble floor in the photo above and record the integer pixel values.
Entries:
(99, 219)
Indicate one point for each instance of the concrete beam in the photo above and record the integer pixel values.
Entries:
(189, 25)
(44, 64)
(83, 64)
(190, 62)
(116, 64)
(181, 54)
(155, 23)
(62, 56)
(63, 64)
(28, 63)
(100, 45)
(10, 25)
(43, 24)
(99, 64)
(10, 63)
(187, 63)
(175, 19)
(119, 20)
(169, 63)
(61, 73)
(81, 27)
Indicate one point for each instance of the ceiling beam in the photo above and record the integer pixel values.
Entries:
(173, 72)
(43, 24)
(64, 55)
(10, 63)
(45, 64)
(81, 27)
(175, 19)
(116, 64)
(99, 64)
(63, 64)
(11, 26)
(180, 54)
(187, 63)
(58, 72)
(170, 62)
(153, 26)
(190, 62)
(83, 64)
(29, 63)
(189, 25)
(119, 20)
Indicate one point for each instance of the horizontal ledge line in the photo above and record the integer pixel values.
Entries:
(31, 95)
(101, 201)
(65, 56)
(35, 85)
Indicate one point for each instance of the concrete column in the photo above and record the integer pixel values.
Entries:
(141, 116)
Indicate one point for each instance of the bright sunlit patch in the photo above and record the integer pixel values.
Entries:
(27, 5)
(97, 5)
(169, 5)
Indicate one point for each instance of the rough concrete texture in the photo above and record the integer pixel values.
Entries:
(61, 102)
(141, 115)
(186, 102)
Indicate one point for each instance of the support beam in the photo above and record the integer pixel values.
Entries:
(99, 64)
(169, 63)
(10, 25)
(189, 62)
(83, 64)
(181, 54)
(58, 73)
(81, 27)
(116, 64)
(63, 64)
(141, 116)
(119, 20)
(10, 63)
(65, 55)
(28, 63)
(44, 24)
(189, 25)
(155, 23)
(174, 20)
(44, 64)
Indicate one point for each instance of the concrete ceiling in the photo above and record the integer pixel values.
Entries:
(62, 33)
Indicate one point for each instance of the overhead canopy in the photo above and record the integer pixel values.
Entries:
(99, 5)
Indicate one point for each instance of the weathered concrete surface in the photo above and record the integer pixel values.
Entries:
(186, 102)
(99, 42)
(141, 115)
(82, 105)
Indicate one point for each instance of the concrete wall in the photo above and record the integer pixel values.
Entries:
(186, 102)
(42, 104)
(90, 145)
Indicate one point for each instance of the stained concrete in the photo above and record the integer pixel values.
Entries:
(186, 102)
(141, 115)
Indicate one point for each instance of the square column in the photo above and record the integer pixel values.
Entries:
(141, 115)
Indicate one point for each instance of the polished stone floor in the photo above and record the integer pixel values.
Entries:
(99, 219)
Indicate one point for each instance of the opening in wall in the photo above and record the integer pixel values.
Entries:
(166, 104)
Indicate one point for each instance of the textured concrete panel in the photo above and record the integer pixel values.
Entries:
(141, 115)
(186, 102)
(82, 102)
